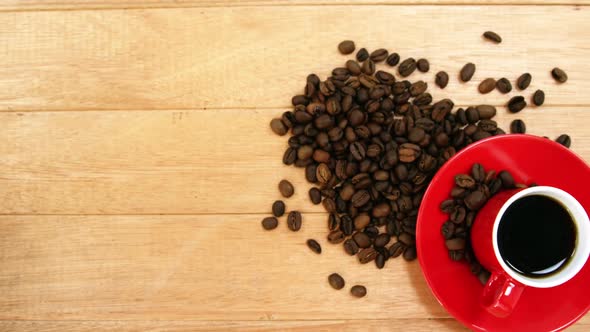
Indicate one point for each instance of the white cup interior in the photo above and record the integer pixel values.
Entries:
(581, 251)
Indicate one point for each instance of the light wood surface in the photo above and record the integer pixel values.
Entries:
(136, 158)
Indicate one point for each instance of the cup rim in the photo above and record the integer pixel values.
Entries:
(581, 252)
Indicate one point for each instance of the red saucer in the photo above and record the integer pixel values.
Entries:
(529, 159)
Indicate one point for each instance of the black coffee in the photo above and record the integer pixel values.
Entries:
(536, 236)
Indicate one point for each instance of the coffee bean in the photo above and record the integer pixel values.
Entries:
(448, 229)
(361, 221)
(538, 98)
(357, 150)
(358, 291)
(483, 277)
(396, 249)
(472, 115)
(408, 152)
(488, 125)
(362, 55)
(559, 75)
(441, 79)
(464, 181)
(286, 188)
(381, 240)
(455, 244)
(323, 173)
(456, 255)
(477, 172)
(278, 127)
(507, 179)
(523, 81)
(407, 67)
(360, 198)
(350, 247)
(380, 261)
(314, 246)
(458, 215)
(393, 59)
(347, 225)
(368, 68)
(517, 127)
(336, 236)
(290, 156)
(381, 210)
(410, 253)
(315, 195)
(503, 85)
(353, 67)
(366, 255)
(329, 204)
(492, 36)
(346, 47)
(379, 55)
(278, 208)
(423, 65)
(362, 240)
(486, 111)
(564, 140)
(467, 72)
(475, 200)
(270, 223)
(294, 221)
(487, 85)
(516, 104)
(336, 281)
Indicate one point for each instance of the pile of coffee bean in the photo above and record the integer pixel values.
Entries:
(468, 196)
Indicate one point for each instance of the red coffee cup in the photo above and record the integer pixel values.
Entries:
(503, 289)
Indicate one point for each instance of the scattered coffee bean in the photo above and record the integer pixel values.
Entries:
(379, 55)
(503, 85)
(423, 65)
(314, 246)
(487, 85)
(278, 208)
(350, 247)
(380, 261)
(517, 127)
(346, 47)
(315, 195)
(559, 75)
(410, 253)
(441, 79)
(358, 291)
(362, 55)
(564, 140)
(336, 281)
(294, 221)
(393, 59)
(269, 223)
(492, 36)
(286, 188)
(407, 67)
(516, 104)
(486, 111)
(467, 72)
(538, 98)
(368, 68)
(524, 81)
(278, 127)
(507, 179)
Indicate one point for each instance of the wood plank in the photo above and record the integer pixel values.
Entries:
(21, 5)
(137, 162)
(215, 267)
(192, 58)
(409, 325)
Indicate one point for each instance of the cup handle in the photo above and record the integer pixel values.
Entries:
(501, 294)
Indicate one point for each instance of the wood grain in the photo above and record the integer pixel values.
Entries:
(192, 58)
(174, 162)
(39, 5)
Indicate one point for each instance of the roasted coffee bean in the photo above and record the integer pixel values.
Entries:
(361, 221)
(455, 244)
(294, 221)
(315, 195)
(346, 47)
(350, 247)
(286, 188)
(559, 75)
(441, 79)
(538, 98)
(410, 253)
(418, 88)
(456, 255)
(407, 239)
(314, 246)
(487, 85)
(458, 215)
(347, 225)
(381, 210)
(448, 230)
(495, 186)
(278, 127)
(517, 127)
(366, 255)
(467, 72)
(381, 240)
(488, 125)
(368, 68)
(323, 173)
(477, 172)
(380, 261)
(393, 59)
(475, 200)
(492, 36)
(503, 85)
(269, 223)
(447, 205)
(336, 236)
(486, 111)
(358, 291)
(360, 198)
(516, 104)
(329, 204)
(362, 240)
(310, 173)
(507, 179)
(408, 152)
(278, 208)
(336, 281)
(407, 67)
(472, 115)
(464, 181)
(524, 81)
(396, 249)
(362, 55)
(423, 65)
(483, 277)
(564, 140)
(353, 67)
(334, 221)
(379, 55)
(357, 150)
(290, 156)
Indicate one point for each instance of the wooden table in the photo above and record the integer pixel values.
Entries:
(136, 158)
